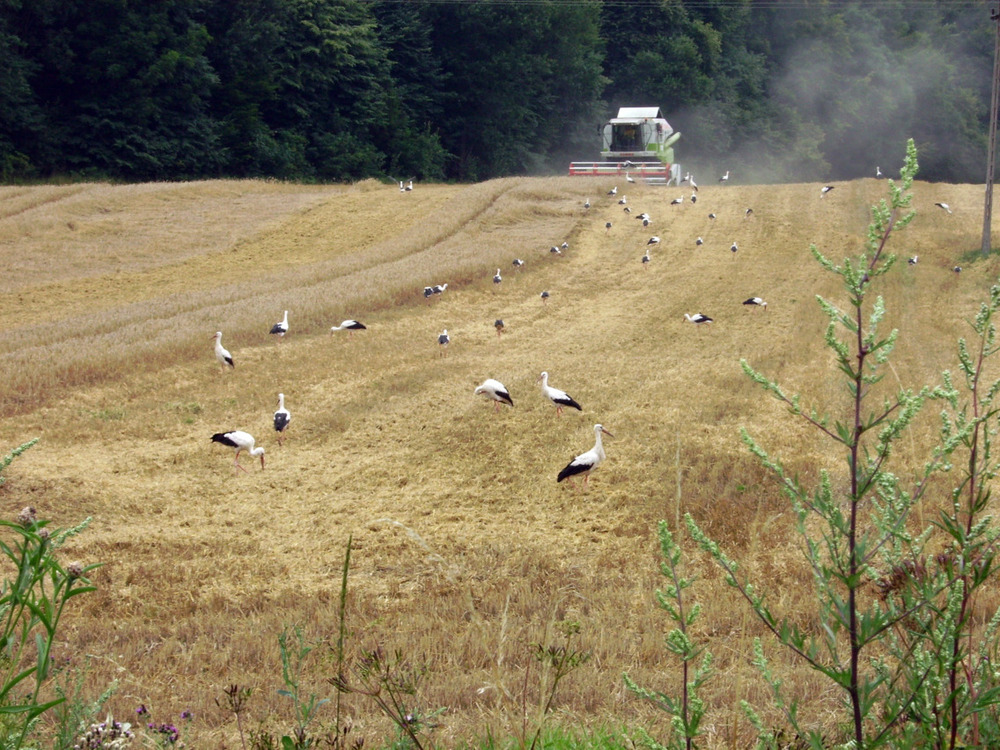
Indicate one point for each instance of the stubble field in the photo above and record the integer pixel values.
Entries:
(465, 549)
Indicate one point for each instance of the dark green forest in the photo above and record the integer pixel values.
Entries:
(328, 90)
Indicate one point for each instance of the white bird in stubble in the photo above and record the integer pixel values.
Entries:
(943, 207)
(496, 391)
(222, 354)
(586, 462)
(239, 441)
(282, 418)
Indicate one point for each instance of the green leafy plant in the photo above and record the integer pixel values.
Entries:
(904, 660)
(292, 658)
(33, 598)
(687, 711)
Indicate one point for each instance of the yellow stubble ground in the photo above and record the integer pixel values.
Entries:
(465, 549)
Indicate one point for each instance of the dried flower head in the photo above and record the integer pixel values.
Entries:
(74, 570)
(27, 517)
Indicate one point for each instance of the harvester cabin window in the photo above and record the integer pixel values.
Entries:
(627, 138)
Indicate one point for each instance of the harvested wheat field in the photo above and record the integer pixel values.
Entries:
(466, 551)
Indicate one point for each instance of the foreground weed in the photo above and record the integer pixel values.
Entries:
(903, 658)
(687, 711)
(557, 660)
(391, 682)
(292, 658)
(32, 600)
(236, 700)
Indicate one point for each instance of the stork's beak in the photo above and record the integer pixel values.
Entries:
(606, 432)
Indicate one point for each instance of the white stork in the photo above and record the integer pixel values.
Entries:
(699, 241)
(517, 263)
(607, 227)
(281, 328)
(878, 173)
(239, 441)
(409, 186)
(913, 261)
(586, 462)
(646, 259)
(697, 318)
(677, 201)
(628, 177)
(557, 397)
(495, 390)
(439, 288)
(428, 292)
(281, 418)
(545, 296)
(443, 340)
(654, 240)
(586, 204)
(725, 177)
(711, 216)
(499, 325)
(222, 354)
(555, 250)
(613, 191)
(350, 326)
(497, 278)
(825, 189)
(756, 301)
(734, 247)
(943, 207)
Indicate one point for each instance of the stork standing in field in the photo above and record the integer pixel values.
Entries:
(239, 441)
(497, 278)
(697, 318)
(586, 462)
(495, 390)
(282, 417)
(825, 189)
(756, 302)
(545, 296)
(943, 207)
(725, 177)
(646, 259)
(222, 354)
(281, 328)
(350, 326)
(517, 263)
(443, 340)
(499, 325)
(557, 397)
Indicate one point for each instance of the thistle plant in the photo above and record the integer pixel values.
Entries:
(33, 597)
(900, 656)
(687, 711)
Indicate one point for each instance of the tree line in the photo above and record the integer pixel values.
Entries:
(344, 89)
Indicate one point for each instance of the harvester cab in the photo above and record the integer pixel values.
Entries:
(638, 141)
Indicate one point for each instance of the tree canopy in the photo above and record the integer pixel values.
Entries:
(345, 89)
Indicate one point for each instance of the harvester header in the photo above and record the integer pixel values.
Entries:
(640, 141)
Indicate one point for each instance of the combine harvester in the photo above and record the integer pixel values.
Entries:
(638, 142)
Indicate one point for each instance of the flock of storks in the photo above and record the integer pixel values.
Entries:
(241, 441)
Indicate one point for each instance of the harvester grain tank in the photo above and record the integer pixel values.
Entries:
(638, 141)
